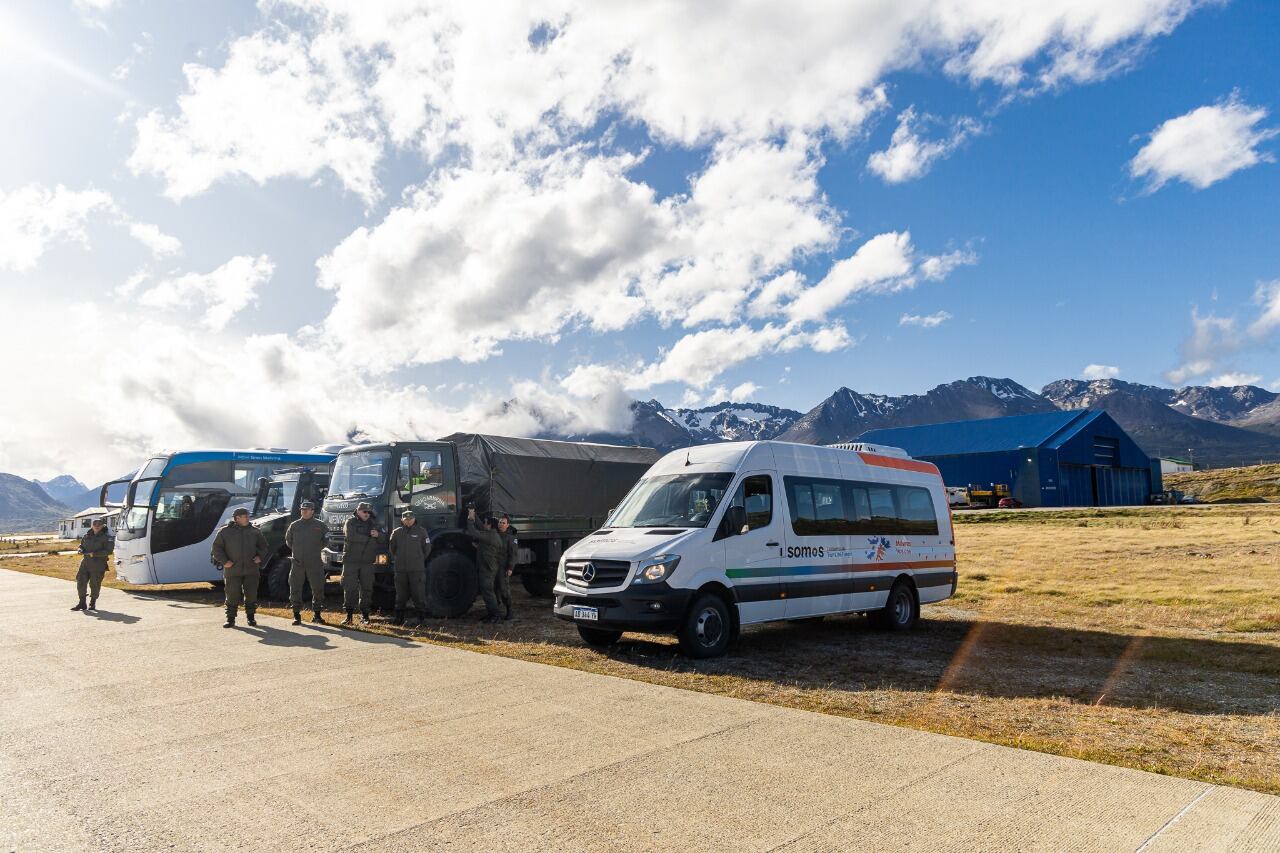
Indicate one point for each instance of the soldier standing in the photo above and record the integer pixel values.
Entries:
(408, 545)
(361, 533)
(95, 546)
(511, 547)
(489, 550)
(240, 549)
(305, 538)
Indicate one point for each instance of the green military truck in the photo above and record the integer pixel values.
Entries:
(556, 492)
(277, 505)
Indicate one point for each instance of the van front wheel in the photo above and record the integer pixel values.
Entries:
(707, 628)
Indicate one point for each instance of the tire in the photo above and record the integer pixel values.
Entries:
(452, 583)
(538, 584)
(598, 638)
(276, 579)
(901, 611)
(707, 629)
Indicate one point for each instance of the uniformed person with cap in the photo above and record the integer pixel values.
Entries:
(510, 550)
(361, 533)
(408, 546)
(95, 547)
(240, 549)
(489, 551)
(305, 538)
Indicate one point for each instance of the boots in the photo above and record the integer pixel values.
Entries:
(415, 620)
(297, 615)
(248, 617)
(398, 619)
(507, 617)
(93, 604)
(79, 606)
(231, 618)
(347, 621)
(364, 618)
(316, 617)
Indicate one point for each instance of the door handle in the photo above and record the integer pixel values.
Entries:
(771, 544)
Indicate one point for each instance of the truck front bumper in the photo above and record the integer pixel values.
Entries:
(651, 608)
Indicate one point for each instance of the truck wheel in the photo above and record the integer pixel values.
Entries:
(707, 628)
(598, 638)
(538, 584)
(900, 612)
(276, 579)
(452, 583)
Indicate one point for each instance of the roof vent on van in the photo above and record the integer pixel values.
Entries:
(878, 449)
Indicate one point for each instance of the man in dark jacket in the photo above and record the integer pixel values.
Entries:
(408, 546)
(510, 550)
(96, 546)
(240, 549)
(489, 553)
(362, 534)
(305, 539)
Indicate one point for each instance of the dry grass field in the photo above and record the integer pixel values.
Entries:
(1148, 638)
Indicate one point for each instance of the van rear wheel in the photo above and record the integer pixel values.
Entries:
(598, 638)
(707, 628)
(901, 611)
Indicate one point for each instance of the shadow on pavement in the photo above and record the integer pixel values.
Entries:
(108, 616)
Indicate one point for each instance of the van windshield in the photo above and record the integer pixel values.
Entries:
(672, 500)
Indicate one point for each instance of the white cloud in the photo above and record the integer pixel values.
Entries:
(1204, 146)
(1230, 380)
(1099, 371)
(924, 321)
(910, 155)
(1268, 321)
(743, 392)
(220, 294)
(882, 264)
(34, 217)
(1214, 339)
(939, 267)
(160, 243)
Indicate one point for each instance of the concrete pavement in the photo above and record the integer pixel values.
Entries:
(150, 726)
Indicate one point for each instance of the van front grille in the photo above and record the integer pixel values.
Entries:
(596, 573)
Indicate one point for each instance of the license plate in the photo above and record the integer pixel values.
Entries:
(586, 614)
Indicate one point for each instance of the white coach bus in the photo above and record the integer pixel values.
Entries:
(177, 501)
(716, 537)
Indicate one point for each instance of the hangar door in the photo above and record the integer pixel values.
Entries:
(1098, 485)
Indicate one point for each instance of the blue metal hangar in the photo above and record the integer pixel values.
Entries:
(1070, 458)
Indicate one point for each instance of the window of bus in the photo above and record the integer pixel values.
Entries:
(426, 477)
(841, 507)
(186, 516)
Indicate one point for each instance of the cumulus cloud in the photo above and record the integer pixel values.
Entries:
(34, 217)
(882, 264)
(1215, 339)
(924, 321)
(160, 243)
(1204, 146)
(1268, 320)
(1230, 380)
(910, 155)
(220, 294)
(1099, 371)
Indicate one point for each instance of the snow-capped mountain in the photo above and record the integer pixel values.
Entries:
(1245, 406)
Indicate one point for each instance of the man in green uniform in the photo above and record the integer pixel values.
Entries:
(95, 546)
(361, 533)
(408, 546)
(489, 553)
(305, 539)
(240, 549)
(510, 550)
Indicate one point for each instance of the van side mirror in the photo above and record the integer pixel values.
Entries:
(734, 523)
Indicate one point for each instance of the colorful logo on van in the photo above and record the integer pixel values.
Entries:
(879, 544)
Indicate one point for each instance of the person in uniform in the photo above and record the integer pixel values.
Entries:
(489, 551)
(361, 533)
(95, 546)
(511, 547)
(408, 546)
(305, 538)
(240, 549)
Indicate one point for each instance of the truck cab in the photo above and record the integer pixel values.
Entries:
(278, 504)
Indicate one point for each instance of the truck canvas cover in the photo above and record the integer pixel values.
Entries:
(547, 479)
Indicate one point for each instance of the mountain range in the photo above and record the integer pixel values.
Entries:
(1217, 426)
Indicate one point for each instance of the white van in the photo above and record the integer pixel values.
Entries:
(724, 535)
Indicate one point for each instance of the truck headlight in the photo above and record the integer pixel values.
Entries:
(657, 568)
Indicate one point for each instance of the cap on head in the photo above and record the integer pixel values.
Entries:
(364, 505)
(239, 512)
(97, 522)
(307, 505)
(408, 513)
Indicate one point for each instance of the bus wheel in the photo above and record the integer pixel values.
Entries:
(598, 638)
(707, 628)
(277, 579)
(452, 584)
(538, 583)
(901, 611)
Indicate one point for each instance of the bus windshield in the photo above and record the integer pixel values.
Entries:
(361, 473)
(672, 500)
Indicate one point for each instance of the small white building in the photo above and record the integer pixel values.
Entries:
(78, 525)
(1171, 465)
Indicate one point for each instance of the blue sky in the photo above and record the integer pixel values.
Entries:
(281, 223)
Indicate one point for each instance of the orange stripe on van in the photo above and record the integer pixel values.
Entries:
(900, 464)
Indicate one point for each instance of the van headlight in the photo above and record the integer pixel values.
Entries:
(657, 568)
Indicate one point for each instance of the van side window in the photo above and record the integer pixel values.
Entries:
(884, 515)
(756, 496)
(915, 509)
(840, 507)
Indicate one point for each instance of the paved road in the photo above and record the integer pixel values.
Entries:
(150, 726)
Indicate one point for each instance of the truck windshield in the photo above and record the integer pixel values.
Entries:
(672, 500)
(277, 498)
(362, 472)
